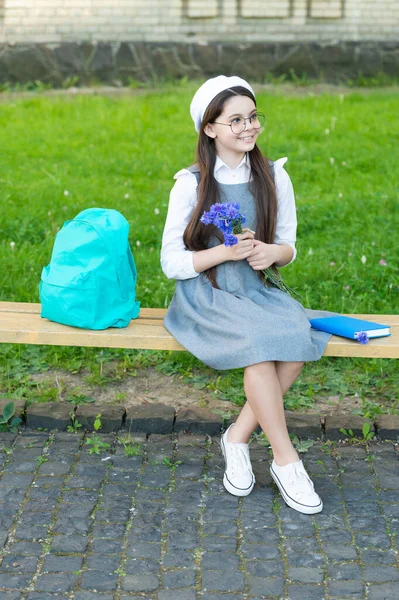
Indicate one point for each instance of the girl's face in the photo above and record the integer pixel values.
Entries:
(232, 146)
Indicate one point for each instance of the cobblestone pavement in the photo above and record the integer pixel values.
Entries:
(111, 526)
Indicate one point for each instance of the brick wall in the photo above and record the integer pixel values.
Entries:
(198, 21)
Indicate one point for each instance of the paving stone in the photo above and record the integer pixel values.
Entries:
(92, 596)
(222, 596)
(69, 543)
(49, 415)
(387, 426)
(61, 583)
(198, 420)
(384, 591)
(273, 585)
(265, 568)
(381, 574)
(219, 528)
(305, 425)
(333, 424)
(370, 523)
(46, 596)
(28, 548)
(156, 476)
(107, 546)
(144, 565)
(103, 562)
(145, 534)
(20, 467)
(10, 596)
(378, 557)
(176, 557)
(305, 574)
(178, 579)
(223, 581)
(391, 510)
(71, 525)
(99, 580)
(345, 589)
(62, 563)
(150, 418)
(217, 542)
(19, 564)
(310, 592)
(31, 532)
(337, 536)
(111, 416)
(115, 531)
(80, 496)
(219, 561)
(303, 552)
(297, 529)
(16, 481)
(144, 550)
(339, 552)
(363, 509)
(140, 583)
(260, 551)
(178, 595)
(379, 540)
(345, 572)
(11, 582)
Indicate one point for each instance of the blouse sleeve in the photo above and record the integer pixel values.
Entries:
(286, 210)
(176, 260)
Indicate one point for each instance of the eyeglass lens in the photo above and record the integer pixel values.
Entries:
(239, 123)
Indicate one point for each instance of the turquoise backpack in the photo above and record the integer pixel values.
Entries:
(91, 279)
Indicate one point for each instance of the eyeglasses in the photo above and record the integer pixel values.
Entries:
(239, 124)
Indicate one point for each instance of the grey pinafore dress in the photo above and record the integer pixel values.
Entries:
(245, 321)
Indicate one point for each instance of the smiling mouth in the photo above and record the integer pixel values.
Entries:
(247, 138)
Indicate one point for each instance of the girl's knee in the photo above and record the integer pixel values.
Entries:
(261, 368)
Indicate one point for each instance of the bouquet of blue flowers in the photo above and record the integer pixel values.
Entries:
(228, 218)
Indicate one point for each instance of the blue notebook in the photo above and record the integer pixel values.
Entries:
(349, 327)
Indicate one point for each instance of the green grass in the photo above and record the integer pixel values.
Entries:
(62, 155)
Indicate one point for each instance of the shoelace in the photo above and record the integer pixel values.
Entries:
(239, 458)
(301, 480)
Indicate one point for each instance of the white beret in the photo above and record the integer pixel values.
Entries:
(209, 90)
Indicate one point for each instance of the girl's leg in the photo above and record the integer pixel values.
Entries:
(246, 423)
(264, 405)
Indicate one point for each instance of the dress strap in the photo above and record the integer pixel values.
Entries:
(194, 169)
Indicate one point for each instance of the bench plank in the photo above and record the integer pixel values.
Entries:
(20, 323)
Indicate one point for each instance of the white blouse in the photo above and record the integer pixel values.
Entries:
(176, 259)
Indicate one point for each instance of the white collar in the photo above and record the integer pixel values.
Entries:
(219, 163)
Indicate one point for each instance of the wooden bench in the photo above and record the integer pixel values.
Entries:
(20, 323)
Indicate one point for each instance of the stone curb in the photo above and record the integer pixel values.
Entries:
(163, 419)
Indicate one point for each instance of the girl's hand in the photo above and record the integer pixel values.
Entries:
(263, 255)
(244, 247)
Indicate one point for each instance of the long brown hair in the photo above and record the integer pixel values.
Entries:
(197, 235)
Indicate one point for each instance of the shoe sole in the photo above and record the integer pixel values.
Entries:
(302, 508)
(234, 491)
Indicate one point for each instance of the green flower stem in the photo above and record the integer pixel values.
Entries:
(269, 274)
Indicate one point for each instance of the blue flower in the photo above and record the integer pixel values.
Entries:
(228, 218)
(362, 337)
(230, 239)
(206, 218)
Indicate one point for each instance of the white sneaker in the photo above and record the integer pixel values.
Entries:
(238, 477)
(296, 487)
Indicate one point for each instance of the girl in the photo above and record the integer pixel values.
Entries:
(222, 311)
